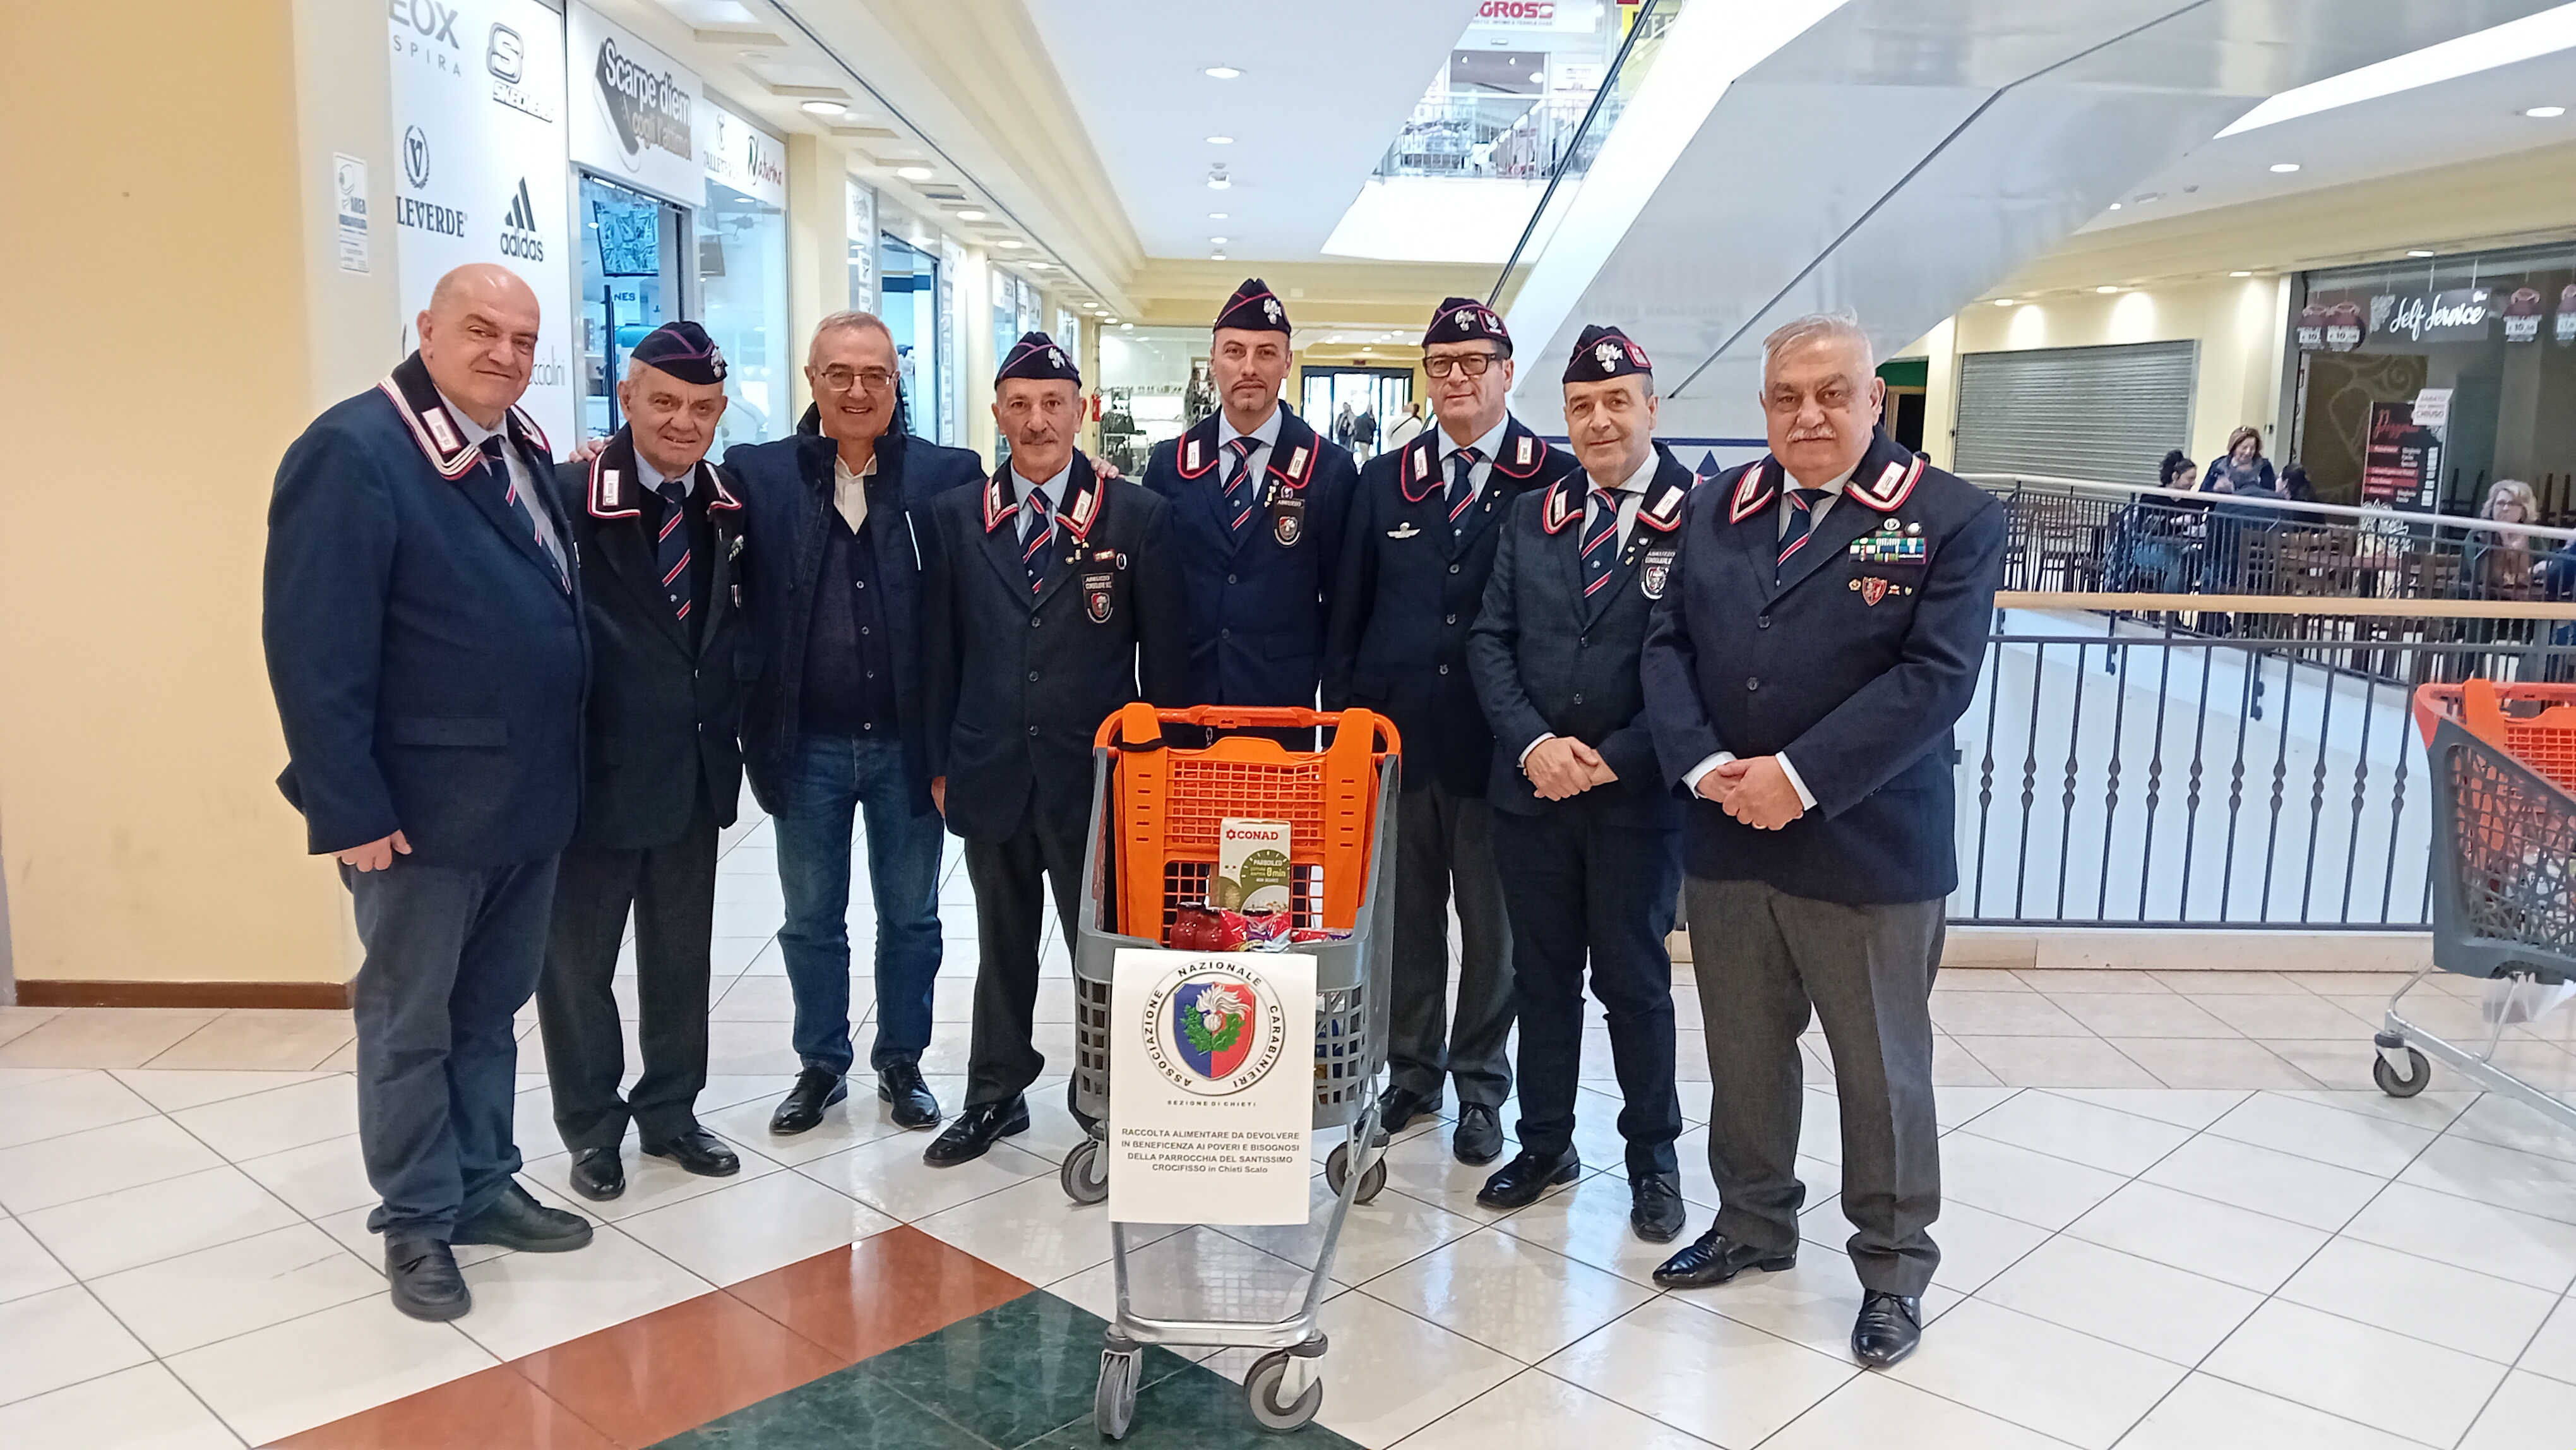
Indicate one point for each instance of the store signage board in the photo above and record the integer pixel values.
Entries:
(2402, 465)
(741, 155)
(1581, 16)
(478, 107)
(634, 110)
(2433, 408)
(1211, 1087)
(863, 247)
(2459, 314)
(349, 211)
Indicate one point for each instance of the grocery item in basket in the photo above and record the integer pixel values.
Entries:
(1197, 929)
(1251, 866)
(1306, 935)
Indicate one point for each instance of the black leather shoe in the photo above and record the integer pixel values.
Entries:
(1714, 1258)
(803, 1106)
(598, 1174)
(421, 1272)
(1519, 1183)
(517, 1221)
(698, 1151)
(975, 1131)
(1480, 1134)
(1655, 1207)
(908, 1097)
(1398, 1107)
(1889, 1327)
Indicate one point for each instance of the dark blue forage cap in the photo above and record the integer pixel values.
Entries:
(683, 350)
(1603, 353)
(1253, 308)
(1464, 319)
(1036, 358)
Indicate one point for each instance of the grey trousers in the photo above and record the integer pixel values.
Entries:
(1445, 841)
(1763, 957)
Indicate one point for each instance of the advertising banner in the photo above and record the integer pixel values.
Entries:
(2402, 466)
(2458, 314)
(478, 109)
(634, 110)
(743, 156)
(1211, 1087)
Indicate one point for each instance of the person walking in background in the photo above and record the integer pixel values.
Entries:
(1342, 428)
(1820, 636)
(1363, 434)
(2242, 468)
(423, 627)
(834, 733)
(657, 542)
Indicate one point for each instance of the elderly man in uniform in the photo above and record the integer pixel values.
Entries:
(657, 541)
(1049, 596)
(1587, 832)
(1257, 505)
(424, 636)
(1416, 553)
(834, 732)
(1820, 636)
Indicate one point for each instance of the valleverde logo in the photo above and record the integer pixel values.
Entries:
(1213, 1029)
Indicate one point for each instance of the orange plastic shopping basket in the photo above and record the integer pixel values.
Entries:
(2535, 724)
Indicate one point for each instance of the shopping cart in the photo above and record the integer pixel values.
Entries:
(1151, 851)
(2504, 870)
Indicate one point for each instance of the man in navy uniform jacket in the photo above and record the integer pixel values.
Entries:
(1415, 556)
(1257, 507)
(834, 728)
(424, 635)
(1819, 638)
(1587, 831)
(1050, 600)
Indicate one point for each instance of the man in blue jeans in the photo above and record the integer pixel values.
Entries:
(832, 733)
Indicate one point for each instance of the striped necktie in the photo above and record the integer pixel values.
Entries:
(1600, 540)
(671, 547)
(1802, 517)
(1238, 496)
(495, 464)
(1033, 544)
(1462, 482)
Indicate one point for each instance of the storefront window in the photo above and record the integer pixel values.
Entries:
(909, 278)
(742, 277)
(2420, 383)
(1146, 377)
(630, 284)
(863, 248)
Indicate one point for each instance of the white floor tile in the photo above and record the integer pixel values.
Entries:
(2499, 1176)
(102, 1037)
(2082, 1390)
(1813, 1304)
(318, 1179)
(1029, 1229)
(889, 1176)
(2193, 1108)
(1712, 1377)
(1537, 1408)
(50, 1104)
(2211, 1414)
(2500, 1120)
(99, 1236)
(2081, 1132)
(2125, 1299)
(1589, 1223)
(1379, 1235)
(81, 1165)
(2489, 1317)
(1199, 1273)
(2553, 1350)
(1975, 1245)
(349, 1227)
(2438, 1226)
(2220, 1241)
(2019, 1183)
(2434, 1108)
(2358, 1371)
(1413, 1373)
(1874, 1410)
(2301, 1190)
(2288, 1124)
(143, 1408)
(173, 1089)
(847, 1124)
(285, 1041)
(276, 1120)
(2527, 1413)
(650, 1182)
(1957, 1106)
(273, 1382)
(25, 1265)
(526, 1302)
(58, 1338)
(749, 1228)
(1424, 1167)
(1509, 1294)
(195, 1299)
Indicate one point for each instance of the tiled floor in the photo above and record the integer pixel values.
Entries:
(2176, 1216)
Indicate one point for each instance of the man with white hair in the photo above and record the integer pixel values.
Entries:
(1819, 636)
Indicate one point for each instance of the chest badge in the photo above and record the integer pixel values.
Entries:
(1872, 590)
(1404, 530)
(1099, 596)
(1656, 572)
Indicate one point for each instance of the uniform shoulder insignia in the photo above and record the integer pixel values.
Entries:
(1753, 490)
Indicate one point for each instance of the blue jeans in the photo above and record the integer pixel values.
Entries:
(834, 779)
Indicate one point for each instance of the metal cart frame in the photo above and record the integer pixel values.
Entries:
(1284, 1385)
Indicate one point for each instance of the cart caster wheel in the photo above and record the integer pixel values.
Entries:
(1337, 1171)
(1262, 1386)
(1113, 1405)
(1086, 1178)
(2418, 1073)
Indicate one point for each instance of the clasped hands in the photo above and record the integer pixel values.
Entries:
(1559, 768)
(1756, 792)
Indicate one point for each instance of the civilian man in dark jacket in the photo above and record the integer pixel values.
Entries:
(1820, 635)
(1048, 596)
(1587, 832)
(424, 638)
(658, 543)
(1415, 557)
(834, 729)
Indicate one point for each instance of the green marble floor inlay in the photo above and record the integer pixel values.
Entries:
(1018, 1376)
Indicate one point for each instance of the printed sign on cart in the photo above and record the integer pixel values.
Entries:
(1211, 1087)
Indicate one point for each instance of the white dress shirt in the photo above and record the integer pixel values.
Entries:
(1263, 439)
(474, 433)
(850, 491)
(1487, 447)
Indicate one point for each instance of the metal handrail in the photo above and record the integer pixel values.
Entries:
(2338, 510)
(1573, 146)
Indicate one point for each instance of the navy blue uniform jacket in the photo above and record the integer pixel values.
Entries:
(427, 662)
(1256, 604)
(1856, 665)
(787, 497)
(1407, 593)
(1550, 659)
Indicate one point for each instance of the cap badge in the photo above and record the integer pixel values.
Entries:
(1270, 308)
(1608, 353)
(1055, 359)
(1465, 322)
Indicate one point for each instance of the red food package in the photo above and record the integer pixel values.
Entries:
(1233, 929)
(1195, 929)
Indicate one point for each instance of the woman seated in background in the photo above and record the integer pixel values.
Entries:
(2502, 563)
(2158, 537)
(2243, 469)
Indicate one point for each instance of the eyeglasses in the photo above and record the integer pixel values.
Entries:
(1473, 364)
(841, 379)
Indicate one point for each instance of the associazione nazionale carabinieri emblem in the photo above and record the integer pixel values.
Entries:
(1213, 1029)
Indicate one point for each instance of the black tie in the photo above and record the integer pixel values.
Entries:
(1598, 536)
(1462, 482)
(1033, 544)
(1802, 517)
(1238, 499)
(671, 547)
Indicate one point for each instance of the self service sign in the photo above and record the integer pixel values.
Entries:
(1211, 1087)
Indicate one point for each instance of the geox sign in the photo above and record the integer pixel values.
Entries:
(648, 109)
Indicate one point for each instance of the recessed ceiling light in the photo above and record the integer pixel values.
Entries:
(913, 173)
(2003, 302)
(1218, 183)
(2240, 274)
(2115, 206)
(2284, 168)
(823, 108)
(2419, 252)
(970, 216)
(1010, 244)
(1221, 72)
(1219, 241)
(1216, 216)
(2106, 289)
(1220, 140)
(1216, 256)
(1126, 327)
(2546, 113)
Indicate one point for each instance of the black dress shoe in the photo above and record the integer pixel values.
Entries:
(1480, 1134)
(975, 1131)
(517, 1221)
(1889, 1327)
(1655, 1207)
(421, 1272)
(803, 1106)
(901, 1088)
(1398, 1107)
(598, 1174)
(1714, 1258)
(1518, 1184)
(698, 1151)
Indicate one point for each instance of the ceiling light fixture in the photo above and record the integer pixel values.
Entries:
(1216, 216)
(1217, 181)
(2003, 302)
(2115, 206)
(1218, 241)
(1221, 72)
(2551, 30)
(2106, 289)
(2240, 274)
(1220, 140)
(1216, 256)
(2546, 113)
(1126, 327)
(823, 108)
(914, 173)
(1010, 244)
(970, 216)
(2284, 168)
(2419, 252)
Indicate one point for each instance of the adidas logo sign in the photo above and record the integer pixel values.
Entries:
(519, 228)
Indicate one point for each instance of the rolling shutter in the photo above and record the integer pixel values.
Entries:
(2101, 413)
